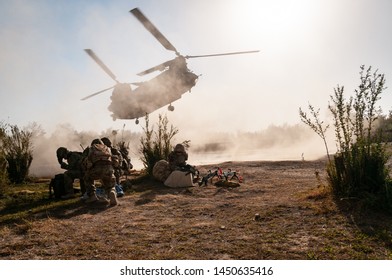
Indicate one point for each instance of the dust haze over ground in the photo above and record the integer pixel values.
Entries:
(45, 145)
(286, 142)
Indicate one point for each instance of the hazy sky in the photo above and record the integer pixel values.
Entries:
(307, 47)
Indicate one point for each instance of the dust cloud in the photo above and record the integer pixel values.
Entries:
(45, 163)
(286, 142)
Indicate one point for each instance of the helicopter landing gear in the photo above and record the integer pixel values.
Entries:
(170, 108)
(137, 121)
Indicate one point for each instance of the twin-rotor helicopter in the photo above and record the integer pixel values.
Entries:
(174, 80)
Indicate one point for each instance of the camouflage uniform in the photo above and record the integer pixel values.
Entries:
(178, 157)
(117, 159)
(73, 165)
(99, 170)
(179, 171)
(117, 162)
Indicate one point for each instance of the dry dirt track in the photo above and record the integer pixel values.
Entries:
(296, 220)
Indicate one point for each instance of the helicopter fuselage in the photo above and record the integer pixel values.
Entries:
(151, 95)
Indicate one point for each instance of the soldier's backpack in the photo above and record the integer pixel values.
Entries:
(100, 152)
(57, 186)
(116, 158)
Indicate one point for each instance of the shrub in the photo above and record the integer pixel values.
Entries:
(17, 149)
(359, 166)
(3, 161)
(156, 145)
(3, 173)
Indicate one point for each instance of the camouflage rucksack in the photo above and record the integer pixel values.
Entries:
(100, 152)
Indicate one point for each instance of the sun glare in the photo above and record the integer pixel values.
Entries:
(272, 19)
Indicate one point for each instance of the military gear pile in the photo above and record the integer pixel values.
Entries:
(222, 176)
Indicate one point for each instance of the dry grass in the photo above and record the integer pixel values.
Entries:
(280, 211)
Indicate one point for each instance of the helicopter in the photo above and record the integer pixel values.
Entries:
(174, 80)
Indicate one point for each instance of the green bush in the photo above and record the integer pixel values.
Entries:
(16, 145)
(359, 166)
(3, 173)
(156, 145)
(3, 162)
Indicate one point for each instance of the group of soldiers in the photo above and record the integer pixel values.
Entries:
(100, 161)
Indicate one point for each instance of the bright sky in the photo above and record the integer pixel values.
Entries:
(307, 47)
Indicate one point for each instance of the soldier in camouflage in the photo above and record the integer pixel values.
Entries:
(117, 160)
(178, 157)
(72, 163)
(99, 167)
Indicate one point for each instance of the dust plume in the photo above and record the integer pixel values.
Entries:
(286, 142)
(45, 163)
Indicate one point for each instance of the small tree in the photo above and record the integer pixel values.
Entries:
(3, 173)
(156, 145)
(316, 124)
(3, 161)
(359, 166)
(18, 151)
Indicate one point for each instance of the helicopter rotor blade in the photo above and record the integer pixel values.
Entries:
(153, 30)
(94, 94)
(160, 67)
(101, 64)
(220, 54)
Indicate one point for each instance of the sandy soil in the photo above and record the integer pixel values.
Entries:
(280, 211)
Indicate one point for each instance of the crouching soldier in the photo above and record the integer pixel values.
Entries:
(181, 173)
(117, 159)
(72, 163)
(178, 157)
(99, 167)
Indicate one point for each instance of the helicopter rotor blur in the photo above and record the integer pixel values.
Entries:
(118, 87)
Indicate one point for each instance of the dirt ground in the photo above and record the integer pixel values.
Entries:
(280, 212)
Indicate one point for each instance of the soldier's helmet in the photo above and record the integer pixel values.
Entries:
(179, 148)
(61, 153)
(96, 141)
(106, 141)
